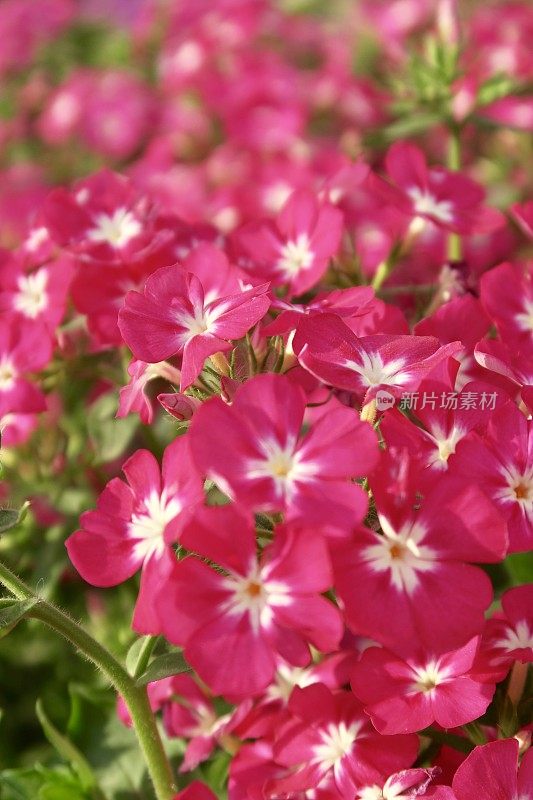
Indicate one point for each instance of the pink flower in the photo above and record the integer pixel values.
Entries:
(490, 773)
(135, 524)
(294, 250)
(510, 636)
(359, 301)
(37, 294)
(191, 714)
(407, 696)
(104, 219)
(173, 316)
(514, 112)
(448, 199)
(502, 463)
(133, 398)
(411, 585)
(329, 350)
(272, 467)
(22, 32)
(404, 785)
(24, 347)
(514, 364)
(117, 113)
(196, 791)
(443, 417)
(332, 746)
(462, 318)
(234, 622)
(507, 295)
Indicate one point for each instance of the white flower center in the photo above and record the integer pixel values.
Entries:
(518, 488)
(36, 238)
(295, 256)
(31, 297)
(517, 638)
(428, 677)
(116, 229)
(148, 526)
(401, 554)
(370, 793)
(525, 319)
(337, 742)
(197, 324)
(8, 373)
(445, 446)
(255, 595)
(374, 372)
(287, 677)
(207, 721)
(427, 204)
(283, 465)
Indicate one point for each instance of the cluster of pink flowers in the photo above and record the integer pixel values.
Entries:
(341, 466)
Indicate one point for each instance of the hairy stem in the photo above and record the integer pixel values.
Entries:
(134, 696)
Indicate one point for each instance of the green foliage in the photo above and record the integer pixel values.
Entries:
(109, 436)
(67, 751)
(163, 666)
(12, 611)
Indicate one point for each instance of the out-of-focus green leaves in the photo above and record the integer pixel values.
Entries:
(109, 436)
(215, 772)
(69, 752)
(40, 783)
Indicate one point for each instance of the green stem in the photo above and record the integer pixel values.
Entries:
(134, 696)
(455, 249)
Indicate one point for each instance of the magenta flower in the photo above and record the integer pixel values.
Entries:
(24, 347)
(331, 746)
(294, 250)
(132, 397)
(272, 467)
(502, 463)
(411, 585)
(240, 618)
(329, 350)
(408, 696)
(448, 199)
(136, 523)
(509, 636)
(490, 773)
(196, 791)
(36, 294)
(507, 295)
(173, 316)
(404, 785)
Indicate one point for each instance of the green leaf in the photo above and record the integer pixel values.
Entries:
(133, 654)
(66, 749)
(40, 783)
(520, 567)
(10, 517)
(12, 611)
(110, 437)
(164, 666)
